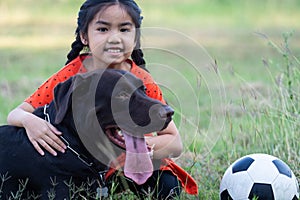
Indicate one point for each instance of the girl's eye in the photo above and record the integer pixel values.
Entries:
(102, 29)
(125, 30)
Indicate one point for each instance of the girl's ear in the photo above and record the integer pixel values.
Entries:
(83, 38)
(134, 44)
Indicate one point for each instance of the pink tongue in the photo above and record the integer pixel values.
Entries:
(138, 165)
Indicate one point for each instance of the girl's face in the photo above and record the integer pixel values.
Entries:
(111, 37)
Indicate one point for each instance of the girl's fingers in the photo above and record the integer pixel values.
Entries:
(44, 136)
(37, 147)
(53, 129)
(47, 147)
(55, 141)
(48, 144)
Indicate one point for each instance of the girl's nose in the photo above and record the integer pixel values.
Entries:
(114, 38)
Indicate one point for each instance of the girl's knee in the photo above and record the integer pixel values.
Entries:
(169, 186)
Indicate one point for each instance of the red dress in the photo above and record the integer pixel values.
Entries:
(44, 95)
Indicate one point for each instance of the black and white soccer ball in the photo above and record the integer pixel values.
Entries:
(259, 176)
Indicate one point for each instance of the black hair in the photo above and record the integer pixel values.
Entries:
(86, 14)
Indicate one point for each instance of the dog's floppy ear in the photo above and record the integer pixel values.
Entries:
(63, 95)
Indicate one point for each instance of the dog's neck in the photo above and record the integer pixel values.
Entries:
(68, 128)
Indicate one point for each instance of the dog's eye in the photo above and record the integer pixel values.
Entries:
(143, 88)
(123, 95)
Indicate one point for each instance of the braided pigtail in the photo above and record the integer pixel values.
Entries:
(138, 58)
(77, 46)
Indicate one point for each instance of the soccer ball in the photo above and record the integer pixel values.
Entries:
(259, 176)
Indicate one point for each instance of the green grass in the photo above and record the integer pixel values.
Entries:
(230, 85)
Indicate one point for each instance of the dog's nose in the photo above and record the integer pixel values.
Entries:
(166, 112)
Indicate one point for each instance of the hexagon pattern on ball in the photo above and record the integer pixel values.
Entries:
(259, 176)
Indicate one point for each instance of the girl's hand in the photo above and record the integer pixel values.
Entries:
(44, 135)
(40, 133)
(167, 143)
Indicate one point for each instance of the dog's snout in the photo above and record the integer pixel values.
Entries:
(166, 112)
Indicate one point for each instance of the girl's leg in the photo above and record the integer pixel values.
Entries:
(164, 185)
(161, 185)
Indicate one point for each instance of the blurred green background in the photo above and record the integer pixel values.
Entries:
(243, 42)
(36, 36)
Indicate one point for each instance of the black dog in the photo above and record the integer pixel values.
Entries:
(90, 110)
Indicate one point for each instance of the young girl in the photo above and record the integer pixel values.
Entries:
(110, 30)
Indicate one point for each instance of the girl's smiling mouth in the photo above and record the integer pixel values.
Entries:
(114, 50)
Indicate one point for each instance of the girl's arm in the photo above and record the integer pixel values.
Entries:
(167, 143)
(17, 115)
(40, 133)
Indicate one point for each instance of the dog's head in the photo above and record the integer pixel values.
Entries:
(113, 99)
